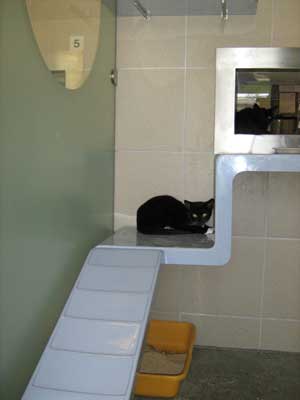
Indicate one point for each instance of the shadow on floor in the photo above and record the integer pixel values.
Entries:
(222, 374)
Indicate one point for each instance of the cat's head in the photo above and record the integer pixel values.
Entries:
(199, 211)
(264, 115)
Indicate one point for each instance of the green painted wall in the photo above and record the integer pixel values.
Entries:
(56, 186)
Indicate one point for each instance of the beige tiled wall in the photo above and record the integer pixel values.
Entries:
(164, 141)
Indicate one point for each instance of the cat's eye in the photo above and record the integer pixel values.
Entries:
(195, 216)
(204, 215)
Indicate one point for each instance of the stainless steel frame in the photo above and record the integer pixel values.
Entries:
(228, 60)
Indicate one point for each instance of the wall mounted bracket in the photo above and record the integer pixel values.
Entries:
(224, 12)
(142, 10)
(153, 8)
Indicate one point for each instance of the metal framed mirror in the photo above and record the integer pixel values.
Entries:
(68, 34)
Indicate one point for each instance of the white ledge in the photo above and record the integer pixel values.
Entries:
(227, 167)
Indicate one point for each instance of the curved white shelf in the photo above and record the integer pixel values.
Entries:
(227, 167)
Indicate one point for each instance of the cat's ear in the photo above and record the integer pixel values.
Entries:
(211, 203)
(187, 204)
(256, 107)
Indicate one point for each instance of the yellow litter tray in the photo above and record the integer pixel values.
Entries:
(169, 337)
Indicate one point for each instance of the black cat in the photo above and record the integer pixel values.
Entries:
(167, 215)
(253, 120)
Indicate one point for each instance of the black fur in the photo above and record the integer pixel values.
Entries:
(254, 120)
(167, 215)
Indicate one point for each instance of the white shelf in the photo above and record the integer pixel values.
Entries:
(187, 7)
(227, 167)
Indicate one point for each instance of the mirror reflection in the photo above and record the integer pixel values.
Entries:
(267, 102)
(67, 33)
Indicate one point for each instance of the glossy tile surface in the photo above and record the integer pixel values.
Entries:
(276, 24)
(281, 335)
(282, 280)
(159, 43)
(213, 290)
(225, 331)
(157, 173)
(250, 204)
(286, 31)
(284, 221)
(199, 124)
(150, 109)
(199, 176)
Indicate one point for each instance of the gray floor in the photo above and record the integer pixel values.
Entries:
(219, 374)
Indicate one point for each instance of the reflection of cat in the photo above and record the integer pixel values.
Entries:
(167, 215)
(253, 120)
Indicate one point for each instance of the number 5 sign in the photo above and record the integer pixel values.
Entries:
(76, 42)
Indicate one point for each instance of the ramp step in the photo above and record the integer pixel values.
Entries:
(94, 350)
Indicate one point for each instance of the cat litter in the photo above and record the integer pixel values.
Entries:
(166, 358)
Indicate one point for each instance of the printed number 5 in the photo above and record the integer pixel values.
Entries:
(76, 43)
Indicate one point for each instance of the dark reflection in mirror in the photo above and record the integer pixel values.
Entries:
(267, 102)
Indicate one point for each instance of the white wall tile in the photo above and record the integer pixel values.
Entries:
(159, 42)
(284, 205)
(249, 204)
(150, 110)
(142, 175)
(281, 335)
(164, 316)
(199, 176)
(231, 290)
(282, 279)
(225, 331)
(202, 40)
(176, 128)
(167, 291)
(286, 30)
(200, 106)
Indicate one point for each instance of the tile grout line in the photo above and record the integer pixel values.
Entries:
(218, 316)
(153, 150)
(154, 68)
(116, 149)
(183, 143)
(272, 23)
(262, 295)
(233, 316)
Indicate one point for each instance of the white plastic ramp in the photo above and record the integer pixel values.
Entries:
(94, 350)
